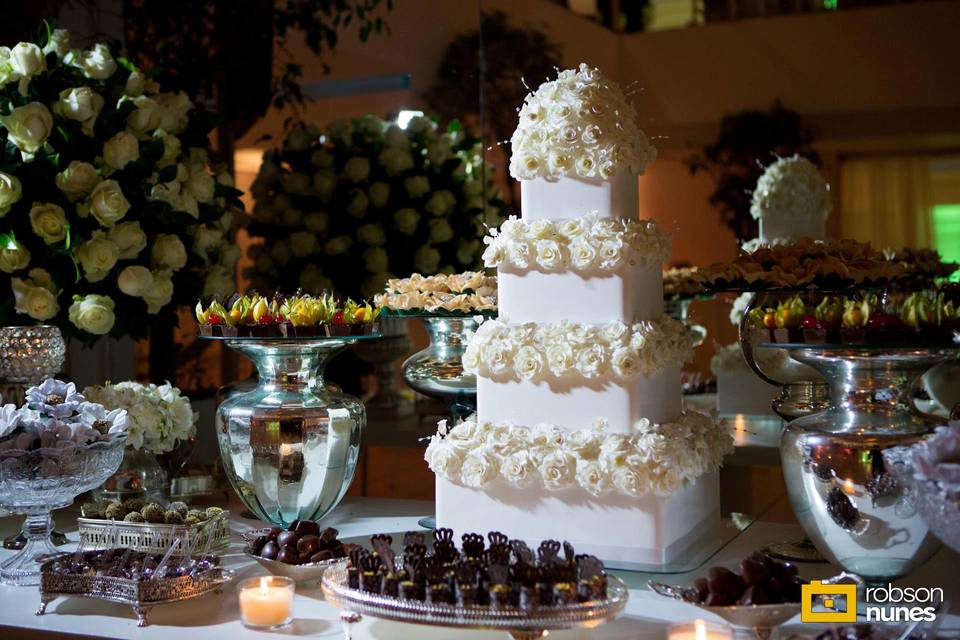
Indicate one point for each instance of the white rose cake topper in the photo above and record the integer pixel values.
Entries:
(578, 125)
(95, 156)
(791, 188)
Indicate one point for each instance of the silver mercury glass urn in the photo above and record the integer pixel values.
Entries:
(850, 505)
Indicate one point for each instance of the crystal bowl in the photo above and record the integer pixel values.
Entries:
(35, 482)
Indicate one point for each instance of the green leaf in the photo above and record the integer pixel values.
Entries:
(454, 126)
(126, 64)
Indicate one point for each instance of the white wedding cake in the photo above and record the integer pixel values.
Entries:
(579, 431)
(791, 201)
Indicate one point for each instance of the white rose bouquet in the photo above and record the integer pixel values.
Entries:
(369, 192)
(109, 210)
(158, 417)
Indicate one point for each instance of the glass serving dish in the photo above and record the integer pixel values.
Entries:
(937, 502)
(35, 482)
(290, 445)
(518, 623)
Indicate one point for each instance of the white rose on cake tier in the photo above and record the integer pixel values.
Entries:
(519, 469)
(558, 470)
(480, 467)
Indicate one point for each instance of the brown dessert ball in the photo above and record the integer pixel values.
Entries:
(153, 513)
(199, 514)
(213, 512)
(191, 520)
(134, 504)
(180, 507)
(115, 511)
(172, 517)
(133, 516)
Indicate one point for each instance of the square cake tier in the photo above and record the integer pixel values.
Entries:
(623, 531)
(630, 293)
(742, 391)
(573, 197)
(576, 404)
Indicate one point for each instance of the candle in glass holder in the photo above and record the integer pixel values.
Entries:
(266, 602)
(699, 630)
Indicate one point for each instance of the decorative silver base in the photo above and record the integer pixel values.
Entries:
(798, 399)
(18, 541)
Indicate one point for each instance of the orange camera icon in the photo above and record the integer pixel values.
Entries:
(828, 602)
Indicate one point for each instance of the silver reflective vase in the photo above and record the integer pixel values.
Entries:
(849, 504)
(290, 445)
(437, 371)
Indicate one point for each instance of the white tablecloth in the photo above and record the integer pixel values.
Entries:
(216, 617)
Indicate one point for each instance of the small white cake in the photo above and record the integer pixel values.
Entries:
(579, 432)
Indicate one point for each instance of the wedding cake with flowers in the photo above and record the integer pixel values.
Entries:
(791, 201)
(579, 429)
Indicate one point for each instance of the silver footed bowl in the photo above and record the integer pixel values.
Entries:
(35, 482)
(296, 572)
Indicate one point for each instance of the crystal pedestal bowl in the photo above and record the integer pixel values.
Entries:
(37, 481)
(290, 445)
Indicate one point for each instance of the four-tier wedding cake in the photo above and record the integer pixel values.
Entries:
(579, 427)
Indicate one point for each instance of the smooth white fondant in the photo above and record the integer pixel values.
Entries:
(633, 293)
(620, 530)
(742, 391)
(573, 197)
(575, 404)
(783, 228)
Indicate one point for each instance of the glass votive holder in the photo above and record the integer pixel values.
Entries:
(699, 630)
(266, 602)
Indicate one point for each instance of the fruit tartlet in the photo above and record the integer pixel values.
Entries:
(296, 316)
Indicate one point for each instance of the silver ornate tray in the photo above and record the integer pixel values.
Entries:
(142, 595)
(154, 537)
(519, 623)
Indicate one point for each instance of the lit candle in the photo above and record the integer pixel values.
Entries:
(266, 602)
(699, 630)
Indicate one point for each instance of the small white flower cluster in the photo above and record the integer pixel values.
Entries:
(466, 292)
(589, 243)
(159, 417)
(532, 351)
(112, 144)
(578, 125)
(657, 459)
(56, 416)
(791, 188)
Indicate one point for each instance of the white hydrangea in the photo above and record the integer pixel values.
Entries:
(159, 417)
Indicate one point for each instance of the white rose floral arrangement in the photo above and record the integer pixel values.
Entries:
(159, 417)
(535, 351)
(363, 201)
(653, 458)
(110, 212)
(578, 125)
(791, 188)
(455, 294)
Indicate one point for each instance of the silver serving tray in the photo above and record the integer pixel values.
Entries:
(521, 624)
(142, 595)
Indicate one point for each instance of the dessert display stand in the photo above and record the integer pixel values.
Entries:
(520, 624)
